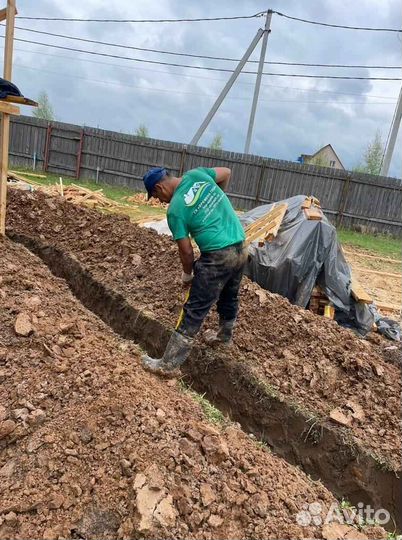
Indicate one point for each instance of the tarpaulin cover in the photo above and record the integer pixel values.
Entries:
(305, 253)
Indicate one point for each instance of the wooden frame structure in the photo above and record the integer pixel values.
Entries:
(7, 107)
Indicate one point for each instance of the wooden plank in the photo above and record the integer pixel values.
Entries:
(28, 174)
(18, 177)
(379, 273)
(3, 14)
(4, 136)
(8, 108)
(266, 224)
(385, 306)
(259, 233)
(374, 257)
(313, 213)
(359, 293)
(311, 201)
(9, 42)
(266, 218)
(5, 124)
(274, 232)
(21, 100)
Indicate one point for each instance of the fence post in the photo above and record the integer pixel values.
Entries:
(79, 155)
(182, 158)
(342, 200)
(47, 147)
(259, 185)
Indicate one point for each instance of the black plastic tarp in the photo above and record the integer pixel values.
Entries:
(303, 254)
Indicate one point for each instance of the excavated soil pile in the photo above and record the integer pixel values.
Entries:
(310, 360)
(91, 446)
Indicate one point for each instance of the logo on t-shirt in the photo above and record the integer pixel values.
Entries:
(194, 193)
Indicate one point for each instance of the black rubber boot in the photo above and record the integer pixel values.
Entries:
(223, 335)
(176, 353)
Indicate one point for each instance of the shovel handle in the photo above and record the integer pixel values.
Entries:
(181, 316)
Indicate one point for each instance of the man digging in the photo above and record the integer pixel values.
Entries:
(200, 210)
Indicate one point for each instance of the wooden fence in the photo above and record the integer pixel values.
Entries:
(349, 199)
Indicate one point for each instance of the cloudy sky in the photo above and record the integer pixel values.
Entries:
(294, 115)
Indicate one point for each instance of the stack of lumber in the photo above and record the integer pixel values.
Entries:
(142, 198)
(266, 228)
(72, 193)
(81, 196)
(312, 209)
(320, 304)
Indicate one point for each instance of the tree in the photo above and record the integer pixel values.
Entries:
(217, 142)
(44, 109)
(372, 157)
(142, 131)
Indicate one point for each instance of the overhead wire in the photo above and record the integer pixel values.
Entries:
(207, 68)
(194, 76)
(179, 92)
(209, 19)
(331, 25)
(201, 56)
(200, 19)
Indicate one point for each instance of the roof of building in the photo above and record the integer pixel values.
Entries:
(320, 150)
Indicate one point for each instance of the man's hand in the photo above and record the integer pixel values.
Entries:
(186, 280)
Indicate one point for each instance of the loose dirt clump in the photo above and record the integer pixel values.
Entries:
(307, 358)
(91, 446)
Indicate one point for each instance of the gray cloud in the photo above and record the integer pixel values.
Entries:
(294, 115)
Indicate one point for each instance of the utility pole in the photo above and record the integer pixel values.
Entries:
(227, 87)
(396, 122)
(5, 120)
(258, 81)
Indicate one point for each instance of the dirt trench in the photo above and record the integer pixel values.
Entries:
(323, 451)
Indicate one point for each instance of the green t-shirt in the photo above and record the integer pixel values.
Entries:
(200, 209)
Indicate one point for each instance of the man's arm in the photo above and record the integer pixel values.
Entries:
(186, 254)
(222, 177)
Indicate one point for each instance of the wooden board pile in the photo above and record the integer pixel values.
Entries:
(141, 198)
(320, 304)
(81, 196)
(312, 209)
(72, 193)
(266, 228)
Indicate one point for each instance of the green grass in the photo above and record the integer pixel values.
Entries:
(264, 446)
(381, 245)
(115, 193)
(394, 536)
(346, 504)
(212, 414)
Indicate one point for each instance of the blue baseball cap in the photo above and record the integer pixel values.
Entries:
(152, 177)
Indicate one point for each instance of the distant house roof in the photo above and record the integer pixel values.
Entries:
(320, 150)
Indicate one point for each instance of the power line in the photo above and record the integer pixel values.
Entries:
(207, 68)
(193, 76)
(368, 28)
(174, 92)
(201, 19)
(202, 56)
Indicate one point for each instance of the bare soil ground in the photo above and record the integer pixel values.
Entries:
(91, 446)
(383, 288)
(308, 359)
